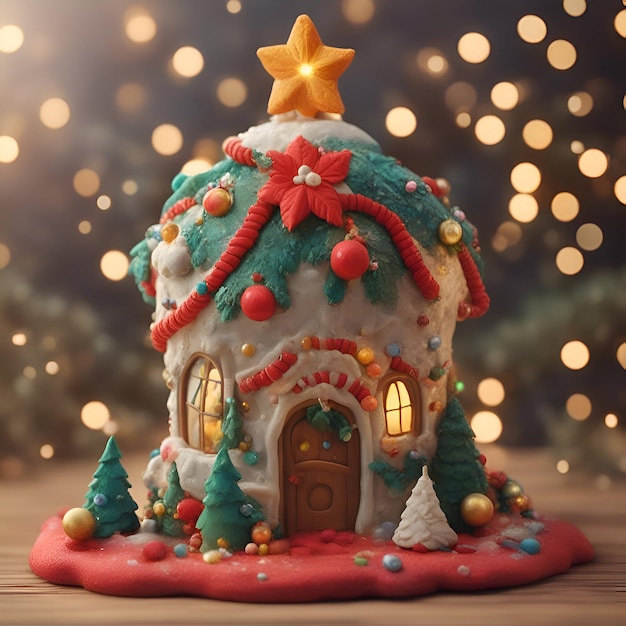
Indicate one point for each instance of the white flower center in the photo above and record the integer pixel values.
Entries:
(306, 176)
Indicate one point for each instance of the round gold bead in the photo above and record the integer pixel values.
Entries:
(450, 232)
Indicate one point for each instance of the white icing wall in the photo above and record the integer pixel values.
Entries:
(310, 314)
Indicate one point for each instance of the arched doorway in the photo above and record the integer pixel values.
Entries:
(320, 474)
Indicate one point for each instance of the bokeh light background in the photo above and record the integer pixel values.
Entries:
(521, 105)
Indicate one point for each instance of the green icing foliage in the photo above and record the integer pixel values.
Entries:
(398, 480)
(232, 428)
(174, 494)
(329, 420)
(108, 497)
(223, 516)
(278, 253)
(455, 468)
(139, 268)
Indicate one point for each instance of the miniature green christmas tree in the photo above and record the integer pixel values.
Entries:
(108, 498)
(171, 525)
(228, 513)
(455, 468)
(232, 428)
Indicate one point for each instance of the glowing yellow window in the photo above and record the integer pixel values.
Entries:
(399, 408)
(202, 404)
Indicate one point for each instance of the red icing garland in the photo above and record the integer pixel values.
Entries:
(232, 147)
(268, 375)
(479, 300)
(402, 366)
(400, 236)
(184, 204)
(244, 240)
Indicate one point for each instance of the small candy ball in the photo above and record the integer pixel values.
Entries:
(374, 370)
(369, 403)
(410, 186)
(304, 445)
(477, 509)
(349, 259)
(530, 545)
(158, 508)
(217, 201)
(251, 458)
(450, 232)
(246, 510)
(169, 232)
(212, 556)
(423, 320)
(444, 185)
(247, 349)
(189, 509)
(392, 562)
(511, 489)
(434, 343)
(434, 187)
(258, 303)
(365, 356)
(264, 549)
(251, 548)
(79, 524)
(100, 499)
(180, 550)
(392, 349)
(155, 550)
(261, 533)
(223, 543)
(195, 541)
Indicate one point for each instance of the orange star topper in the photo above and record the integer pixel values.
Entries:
(305, 72)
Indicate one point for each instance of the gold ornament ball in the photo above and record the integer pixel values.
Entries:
(511, 489)
(169, 232)
(365, 356)
(79, 524)
(450, 232)
(477, 509)
(248, 349)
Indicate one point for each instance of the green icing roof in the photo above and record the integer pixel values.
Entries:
(278, 252)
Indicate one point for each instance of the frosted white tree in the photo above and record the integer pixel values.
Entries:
(423, 521)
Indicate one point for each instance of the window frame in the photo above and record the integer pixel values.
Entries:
(414, 397)
(183, 401)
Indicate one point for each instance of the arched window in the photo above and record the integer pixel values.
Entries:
(201, 403)
(400, 397)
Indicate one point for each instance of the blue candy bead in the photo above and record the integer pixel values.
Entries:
(530, 545)
(392, 562)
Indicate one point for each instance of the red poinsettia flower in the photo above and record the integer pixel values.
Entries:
(301, 182)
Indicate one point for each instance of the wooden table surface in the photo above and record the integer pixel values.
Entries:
(588, 595)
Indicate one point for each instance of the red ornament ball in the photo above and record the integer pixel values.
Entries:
(349, 259)
(189, 509)
(258, 303)
(217, 201)
(434, 187)
(155, 551)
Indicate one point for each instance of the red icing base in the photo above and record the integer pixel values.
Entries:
(320, 566)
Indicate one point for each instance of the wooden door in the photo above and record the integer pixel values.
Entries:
(321, 476)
